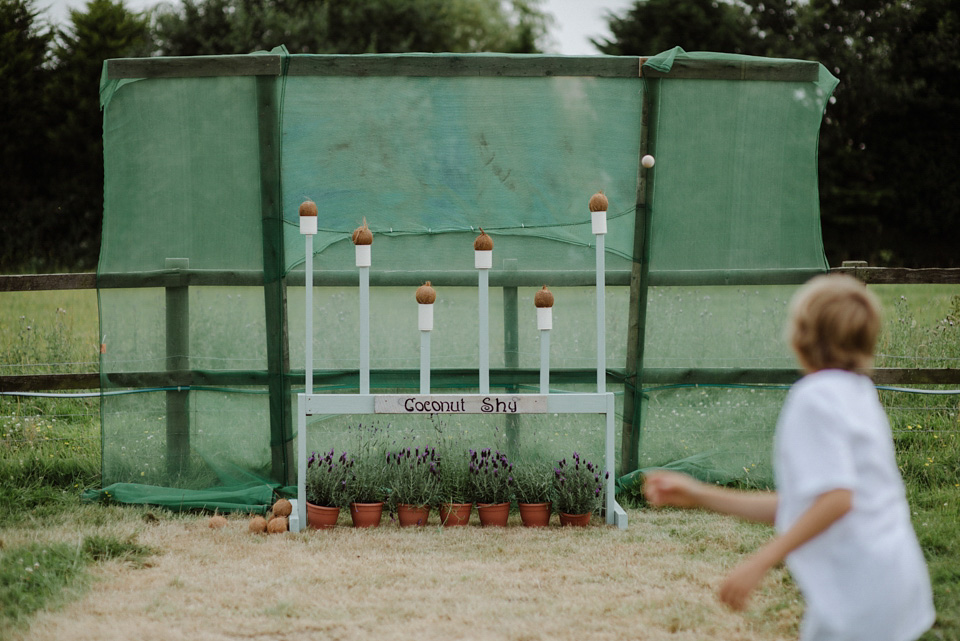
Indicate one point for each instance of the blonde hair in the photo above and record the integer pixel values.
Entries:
(834, 324)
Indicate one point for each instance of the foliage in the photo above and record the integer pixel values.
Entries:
(491, 476)
(414, 476)
(455, 477)
(327, 476)
(890, 140)
(367, 481)
(35, 576)
(102, 547)
(39, 575)
(577, 488)
(349, 26)
(532, 482)
(23, 74)
(52, 159)
(653, 26)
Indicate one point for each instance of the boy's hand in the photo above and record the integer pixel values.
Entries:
(670, 488)
(740, 583)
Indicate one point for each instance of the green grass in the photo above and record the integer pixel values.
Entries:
(36, 576)
(50, 449)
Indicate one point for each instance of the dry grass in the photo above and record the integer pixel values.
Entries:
(656, 580)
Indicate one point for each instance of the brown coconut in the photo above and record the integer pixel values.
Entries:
(258, 525)
(277, 525)
(362, 234)
(598, 202)
(483, 242)
(308, 208)
(282, 507)
(217, 522)
(426, 294)
(543, 298)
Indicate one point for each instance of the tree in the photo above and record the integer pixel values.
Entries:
(23, 76)
(652, 26)
(890, 139)
(349, 26)
(105, 29)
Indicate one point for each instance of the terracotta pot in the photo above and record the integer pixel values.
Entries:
(366, 514)
(576, 520)
(493, 514)
(535, 514)
(320, 517)
(412, 515)
(452, 514)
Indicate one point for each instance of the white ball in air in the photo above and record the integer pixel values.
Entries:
(647, 161)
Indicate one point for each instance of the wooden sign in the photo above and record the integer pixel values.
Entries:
(460, 404)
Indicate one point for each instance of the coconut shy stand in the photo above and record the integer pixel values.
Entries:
(600, 402)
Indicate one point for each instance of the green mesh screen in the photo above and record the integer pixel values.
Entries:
(201, 278)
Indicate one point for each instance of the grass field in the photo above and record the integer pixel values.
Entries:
(77, 570)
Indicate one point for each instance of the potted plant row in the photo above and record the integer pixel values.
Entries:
(412, 480)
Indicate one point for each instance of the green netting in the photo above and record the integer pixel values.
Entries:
(201, 271)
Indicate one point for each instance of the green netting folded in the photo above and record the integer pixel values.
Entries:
(246, 498)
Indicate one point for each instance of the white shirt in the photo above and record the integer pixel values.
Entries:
(864, 578)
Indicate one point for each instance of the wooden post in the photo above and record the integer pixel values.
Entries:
(639, 284)
(274, 287)
(178, 360)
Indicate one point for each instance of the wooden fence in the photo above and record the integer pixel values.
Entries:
(872, 275)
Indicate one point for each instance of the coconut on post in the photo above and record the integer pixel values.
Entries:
(308, 218)
(362, 240)
(598, 212)
(426, 297)
(543, 301)
(483, 251)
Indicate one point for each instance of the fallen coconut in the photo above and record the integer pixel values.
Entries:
(258, 525)
(282, 507)
(277, 525)
(217, 522)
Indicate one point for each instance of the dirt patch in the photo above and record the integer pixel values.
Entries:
(428, 583)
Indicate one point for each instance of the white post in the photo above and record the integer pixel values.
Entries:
(484, 343)
(599, 230)
(308, 227)
(544, 324)
(424, 362)
(425, 320)
(616, 515)
(301, 463)
(308, 231)
(364, 328)
(544, 361)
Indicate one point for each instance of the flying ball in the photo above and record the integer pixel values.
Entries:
(647, 161)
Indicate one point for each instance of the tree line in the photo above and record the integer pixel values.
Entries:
(888, 146)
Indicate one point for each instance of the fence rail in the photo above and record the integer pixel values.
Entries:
(91, 380)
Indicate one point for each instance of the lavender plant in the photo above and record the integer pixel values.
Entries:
(577, 486)
(532, 482)
(327, 477)
(413, 475)
(491, 476)
(367, 482)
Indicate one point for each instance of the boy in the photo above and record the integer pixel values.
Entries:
(840, 510)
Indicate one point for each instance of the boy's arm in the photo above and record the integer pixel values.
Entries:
(827, 509)
(679, 490)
